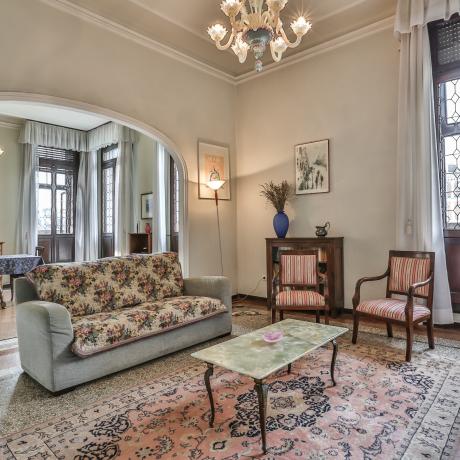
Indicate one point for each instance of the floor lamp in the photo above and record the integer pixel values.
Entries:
(216, 185)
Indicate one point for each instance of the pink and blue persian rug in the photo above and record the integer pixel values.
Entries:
(381, 408)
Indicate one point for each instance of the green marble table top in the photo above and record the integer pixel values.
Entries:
(250, 355)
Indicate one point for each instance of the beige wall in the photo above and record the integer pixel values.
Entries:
(9, 188)
(348, 95)
(56, 54)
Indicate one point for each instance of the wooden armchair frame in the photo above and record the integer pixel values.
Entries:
(305, 287)
(409, 308)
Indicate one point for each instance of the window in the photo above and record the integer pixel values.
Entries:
(56, 179)
(108, 168)
(445, 46)
(174, 205)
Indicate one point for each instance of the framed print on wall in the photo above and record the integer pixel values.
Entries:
(147, 205)
(312, 168)
(213, 164)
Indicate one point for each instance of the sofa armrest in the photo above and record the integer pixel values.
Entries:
(45, 334)
(217, 287)
(24, 291)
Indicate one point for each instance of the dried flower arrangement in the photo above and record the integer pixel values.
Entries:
(277, 194)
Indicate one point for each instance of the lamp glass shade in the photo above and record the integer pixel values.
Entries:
(215, 184)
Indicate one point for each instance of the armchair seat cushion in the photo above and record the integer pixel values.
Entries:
(391, 309)
(301, 298)
(102, 331)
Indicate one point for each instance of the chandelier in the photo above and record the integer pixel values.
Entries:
(255, 24)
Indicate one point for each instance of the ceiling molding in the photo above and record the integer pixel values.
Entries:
(145, 7)
(155, 11)
(68, 7)
(86, 15)
(322, 48)
(9, 124)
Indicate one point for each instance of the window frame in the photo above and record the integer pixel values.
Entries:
(107, 164)
(443, 74)
(54, 166)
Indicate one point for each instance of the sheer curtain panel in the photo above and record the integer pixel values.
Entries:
(419, 223)
(27, 237)
(125, 214)
(87, 216)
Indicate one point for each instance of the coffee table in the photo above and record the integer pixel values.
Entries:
(250, 355)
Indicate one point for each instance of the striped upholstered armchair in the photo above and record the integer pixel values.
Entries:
(299, 285)
(409, 274)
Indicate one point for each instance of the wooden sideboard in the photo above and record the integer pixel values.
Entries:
(140, 243)
(330, 252)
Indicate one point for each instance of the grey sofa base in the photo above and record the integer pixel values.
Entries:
(72, 371)
(45, 335)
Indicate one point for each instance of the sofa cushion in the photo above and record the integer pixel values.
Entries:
(108, 284)
(102, 331)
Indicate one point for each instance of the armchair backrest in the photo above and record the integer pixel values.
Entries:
(407, 268)
(299, 268)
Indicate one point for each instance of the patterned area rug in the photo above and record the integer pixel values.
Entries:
(381, 408)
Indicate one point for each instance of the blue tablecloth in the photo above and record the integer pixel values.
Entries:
(19, 264)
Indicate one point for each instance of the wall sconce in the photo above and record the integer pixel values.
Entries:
(1, 151)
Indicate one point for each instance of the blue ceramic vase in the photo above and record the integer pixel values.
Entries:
(281, 224)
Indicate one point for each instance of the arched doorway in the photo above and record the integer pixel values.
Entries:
(130, 122)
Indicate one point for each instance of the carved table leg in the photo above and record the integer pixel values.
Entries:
(207, 375)
(334, 357)
(262, 390)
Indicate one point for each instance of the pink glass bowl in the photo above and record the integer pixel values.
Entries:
(272, 336)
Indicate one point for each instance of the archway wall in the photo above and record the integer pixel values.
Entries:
(50, 53)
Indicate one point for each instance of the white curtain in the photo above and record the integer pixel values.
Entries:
(53, 136)
(160, 198)
(125, 212)
(87, 216)
(419, 224)
(109, 134)
(26, 238)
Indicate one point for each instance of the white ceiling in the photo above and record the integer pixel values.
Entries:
(182, 24)
(50, 114)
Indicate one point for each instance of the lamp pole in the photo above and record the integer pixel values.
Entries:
(216, 185)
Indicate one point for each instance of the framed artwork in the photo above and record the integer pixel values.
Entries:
(213, 164)
(147, 205)
(312, 167)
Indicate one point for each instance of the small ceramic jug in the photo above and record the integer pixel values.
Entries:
(321, 230)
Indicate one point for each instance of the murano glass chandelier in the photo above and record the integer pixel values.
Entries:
(255, 24)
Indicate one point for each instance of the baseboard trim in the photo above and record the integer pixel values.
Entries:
(241, 297)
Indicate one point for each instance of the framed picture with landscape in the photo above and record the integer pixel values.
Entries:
(213, 164)
(312, 167)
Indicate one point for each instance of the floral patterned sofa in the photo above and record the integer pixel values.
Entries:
(80, 321)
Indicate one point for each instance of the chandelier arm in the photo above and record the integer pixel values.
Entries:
(275, 56)
(227, 45)
(288, 43)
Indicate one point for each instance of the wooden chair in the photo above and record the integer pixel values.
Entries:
(299, 285)
(410, 274)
